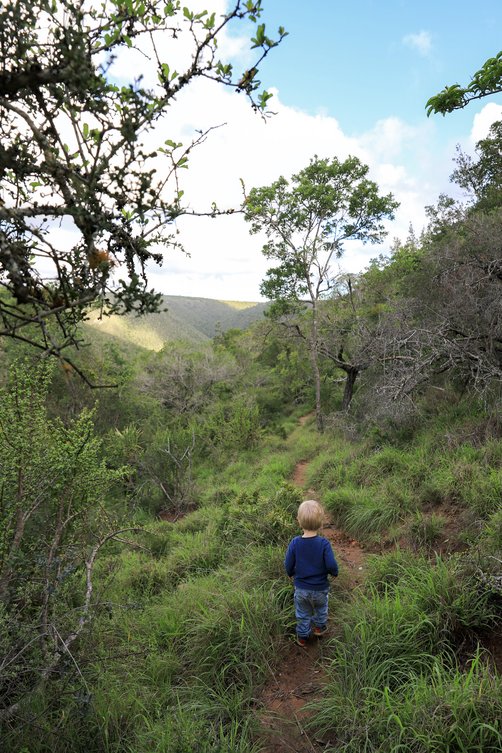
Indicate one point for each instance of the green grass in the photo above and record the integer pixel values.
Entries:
(192, 624)
(426, 530)
(395, 683)
(441, 710)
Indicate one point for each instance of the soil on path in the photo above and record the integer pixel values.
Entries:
(301, 676)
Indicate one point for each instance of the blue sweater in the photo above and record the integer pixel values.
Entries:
(310, 560)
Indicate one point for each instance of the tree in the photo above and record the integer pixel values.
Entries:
(306, 223)
(53, 524)
(482, 178)
(348, 328)
(448, 325)
(486, 81)
(79, 149)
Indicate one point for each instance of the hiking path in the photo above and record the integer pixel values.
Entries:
(300, 677)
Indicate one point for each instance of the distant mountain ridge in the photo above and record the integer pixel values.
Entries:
(186, 318)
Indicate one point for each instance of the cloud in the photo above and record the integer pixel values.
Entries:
(421, 42)
(483, 120)
(177, 49)
(225, 261)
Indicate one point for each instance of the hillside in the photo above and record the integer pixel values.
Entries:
(186, 318)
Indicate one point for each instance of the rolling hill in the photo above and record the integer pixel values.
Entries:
(186, 318)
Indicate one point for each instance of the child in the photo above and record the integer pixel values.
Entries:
(310, 558)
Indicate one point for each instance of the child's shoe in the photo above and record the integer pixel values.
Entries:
(300, 641)
(319, 630)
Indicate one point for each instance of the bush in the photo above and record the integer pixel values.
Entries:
(340, 500)
(388, 569)
(139, 576)
(252, 519)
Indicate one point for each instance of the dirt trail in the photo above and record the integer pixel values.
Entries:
(301, 676)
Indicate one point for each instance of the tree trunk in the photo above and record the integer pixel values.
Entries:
(314, 355)
(349, 387)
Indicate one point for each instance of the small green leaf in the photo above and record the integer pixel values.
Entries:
(210, 22)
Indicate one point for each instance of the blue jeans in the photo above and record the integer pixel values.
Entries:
(310, 606)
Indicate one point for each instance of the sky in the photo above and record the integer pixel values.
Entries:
(350, 78)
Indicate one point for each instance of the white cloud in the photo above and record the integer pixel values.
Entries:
(177, 49)
(225, 260)
(421, 42)
(483, 120)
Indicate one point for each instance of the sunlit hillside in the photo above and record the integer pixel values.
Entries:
(183, 318)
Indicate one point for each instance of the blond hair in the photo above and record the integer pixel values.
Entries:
(310, 515)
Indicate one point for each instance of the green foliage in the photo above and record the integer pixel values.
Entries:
(394, 683)
(371, 515)
(235, 426)
(253, 520)
(425, 530)
(307, 223)
(482, 178)
(344, 204)
(186, 729)
(190, 621)
(229, 639)
(444, 709)
(140, 577)
(53, 522)
(181, 319)
(80, 148)
(486, 81)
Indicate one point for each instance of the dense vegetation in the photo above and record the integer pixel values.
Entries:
(88, 146)
(143, 603)
(193, 320)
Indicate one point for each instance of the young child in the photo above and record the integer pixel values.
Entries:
(310, 558)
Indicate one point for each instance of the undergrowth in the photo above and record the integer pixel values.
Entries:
(192, 621)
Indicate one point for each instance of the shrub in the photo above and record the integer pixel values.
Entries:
(185, 729)
(451, 594)
(388, 569)
(139, 576)
(251, 519)
(484, 492)
(229, 636)
(340, 500)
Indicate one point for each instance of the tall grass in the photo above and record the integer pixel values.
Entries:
(443, 710)
(191, 625)
(395, 680)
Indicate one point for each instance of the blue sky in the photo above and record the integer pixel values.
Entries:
(358, 60)
(350, 78)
